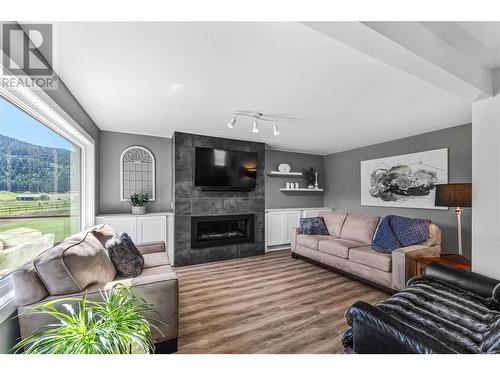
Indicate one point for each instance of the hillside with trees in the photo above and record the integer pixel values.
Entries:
(28, 167)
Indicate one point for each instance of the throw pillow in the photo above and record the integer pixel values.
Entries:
(313, 225)
(410, 231)
(103, 233)
(385, 241)
(127, 259)
(74, 264)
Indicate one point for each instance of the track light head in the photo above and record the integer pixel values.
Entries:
(231, 123)
(255, 128)
(276, 130)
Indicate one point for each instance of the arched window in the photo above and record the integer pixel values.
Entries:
(137, 172)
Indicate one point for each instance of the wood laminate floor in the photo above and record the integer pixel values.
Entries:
(265, 304)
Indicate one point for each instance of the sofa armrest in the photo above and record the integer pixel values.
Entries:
(295, 233)
(403, 262)
(473, 282)
(375, 332)
(151, 247)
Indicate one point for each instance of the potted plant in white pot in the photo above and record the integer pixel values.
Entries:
(138, 202)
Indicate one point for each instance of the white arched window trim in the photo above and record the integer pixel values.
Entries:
(153, 197)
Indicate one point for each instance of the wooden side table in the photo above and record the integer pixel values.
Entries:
(453, 260)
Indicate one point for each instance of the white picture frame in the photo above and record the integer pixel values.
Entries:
(402, 181)
(144, 180)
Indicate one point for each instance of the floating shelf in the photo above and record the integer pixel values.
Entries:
(302, 190)
(284, 174)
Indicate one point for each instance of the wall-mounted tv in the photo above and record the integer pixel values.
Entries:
(218, 169)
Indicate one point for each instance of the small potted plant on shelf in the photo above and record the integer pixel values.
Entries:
(310, 176)
(138, 202)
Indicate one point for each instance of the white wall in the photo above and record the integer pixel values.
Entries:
(486, 187)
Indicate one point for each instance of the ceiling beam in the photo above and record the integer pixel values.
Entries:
(416, 50)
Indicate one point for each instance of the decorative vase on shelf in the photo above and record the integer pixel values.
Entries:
(284, 168)
(138, 210)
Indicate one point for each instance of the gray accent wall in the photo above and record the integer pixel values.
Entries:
(112, 145)
(65, 99)
(343, 179)
(274, 197)
(193, 201)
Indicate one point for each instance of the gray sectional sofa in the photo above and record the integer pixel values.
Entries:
(347, 249)
(80, 264)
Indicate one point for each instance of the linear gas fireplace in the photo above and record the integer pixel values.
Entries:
(208, 231)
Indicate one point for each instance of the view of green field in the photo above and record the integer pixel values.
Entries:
(53, 214)
(9, 206)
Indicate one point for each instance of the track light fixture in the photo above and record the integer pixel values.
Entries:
(276, 130)
(231, 123)
(255, 127)
(257, 116)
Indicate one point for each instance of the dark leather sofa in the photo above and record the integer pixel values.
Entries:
(447, 310)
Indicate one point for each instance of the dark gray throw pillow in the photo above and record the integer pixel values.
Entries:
(313, 225)
(127, 259)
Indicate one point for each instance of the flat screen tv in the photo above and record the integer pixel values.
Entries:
(218, 169)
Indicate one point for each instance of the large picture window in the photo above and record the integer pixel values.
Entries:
(39, 187)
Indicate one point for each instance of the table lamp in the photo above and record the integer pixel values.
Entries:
(458, 196)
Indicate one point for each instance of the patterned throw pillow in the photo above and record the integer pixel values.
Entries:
(410, 231)
(385, 241)
(313, 225)
(127, 259)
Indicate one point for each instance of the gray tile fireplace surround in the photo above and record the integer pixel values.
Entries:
(192, 201)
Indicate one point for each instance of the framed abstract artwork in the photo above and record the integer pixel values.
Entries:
(404, 181)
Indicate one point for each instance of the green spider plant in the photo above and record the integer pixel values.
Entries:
(113, 326)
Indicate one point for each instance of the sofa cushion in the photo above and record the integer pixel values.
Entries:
(338, 247)
(28, 288)
(155, 259)
(127, 259)
(313, 225)
(333, 221)
(369, 257)
(310, 241)
(359, 227)
(103, 233)
(74, 264)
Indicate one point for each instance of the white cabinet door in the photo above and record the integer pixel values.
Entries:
(291, 220)
(151, 228)
(125, 224)
(275, 228)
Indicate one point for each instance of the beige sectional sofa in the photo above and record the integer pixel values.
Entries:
(80, 265)
(347, 249)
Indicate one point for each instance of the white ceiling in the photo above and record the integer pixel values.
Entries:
(157, 78)
(480, 40)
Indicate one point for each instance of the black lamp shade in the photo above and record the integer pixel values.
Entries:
(454, 195)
